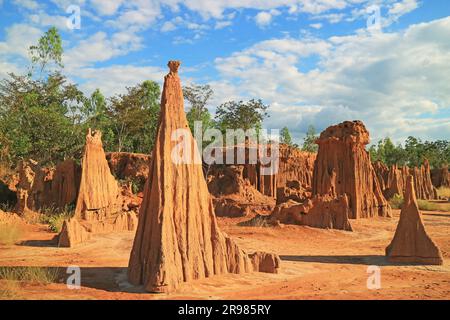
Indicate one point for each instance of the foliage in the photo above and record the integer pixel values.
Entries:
(55, 218)
(444, 192)
(49, 49)
(396, 201)
(413, 153)
(134, 117)
(197, 97)
(240, 115)
(285, 136)
(309, 142)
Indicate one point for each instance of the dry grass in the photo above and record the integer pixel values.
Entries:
(396, 201)
(444, 192)
(10, 233)
(56, 219)
(432, 206)
(41, 275)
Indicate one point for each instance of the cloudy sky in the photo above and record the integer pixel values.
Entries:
(314, 61)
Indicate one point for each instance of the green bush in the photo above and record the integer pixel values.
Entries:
(396, 201)
(55, 219)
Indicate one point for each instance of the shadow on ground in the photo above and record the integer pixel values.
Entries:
(369, 260)
(111, 279)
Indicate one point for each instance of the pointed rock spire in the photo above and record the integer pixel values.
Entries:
(178, 238)
(411, 242)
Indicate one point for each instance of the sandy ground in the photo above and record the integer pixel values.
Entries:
(316, 264)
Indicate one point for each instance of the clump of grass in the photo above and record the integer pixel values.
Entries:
(444, 192)
(396, 201)
(432, 206)
(258, 222)
(55, 219)
(41, 275)
(7, 207)
(10, 233)
(427, 206)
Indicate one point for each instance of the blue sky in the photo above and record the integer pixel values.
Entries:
(313, 61)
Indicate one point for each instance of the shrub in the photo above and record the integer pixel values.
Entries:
(56, 219)
(396, 201)
(444, 192)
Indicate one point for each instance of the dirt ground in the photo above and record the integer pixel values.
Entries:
(316, 264)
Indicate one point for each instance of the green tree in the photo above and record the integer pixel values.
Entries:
(197, 97)
(240, 115)
(49, 49)
(285, 136)
(135, 117)
(309, 142)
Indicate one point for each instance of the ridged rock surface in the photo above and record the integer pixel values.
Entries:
(326, 212)
(411, 243)
(440, 177)
(343, 167)
(99, 195)
(178, 239)
(72, 233)
(295, 165)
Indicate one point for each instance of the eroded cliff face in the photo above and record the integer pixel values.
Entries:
(393, 180)
(411, 242)
(440, 177)
(99, 195)
(178, 238)
(343, 167)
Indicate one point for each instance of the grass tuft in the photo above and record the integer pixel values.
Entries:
(56, 219)
(396, 201)
(41, 275)
(444, 192)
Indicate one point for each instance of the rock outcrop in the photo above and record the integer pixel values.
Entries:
(328, 212)
(293, 190)
(411, 243)
(295, 165)
(392, 180)
(440, 177)
(422, 181)
(65, 184)
(178, 238)
(33, 188)
(129, 166)
(72, 233)
(234, 195)
(343, 167)
(99, 194)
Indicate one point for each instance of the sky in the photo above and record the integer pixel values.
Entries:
(315, 62)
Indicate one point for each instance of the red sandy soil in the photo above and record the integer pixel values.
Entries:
(316, 264)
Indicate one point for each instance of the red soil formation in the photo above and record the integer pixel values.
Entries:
(99, 195)
(65, 183)
(411, 242)
(34, 187)
(233, 195)
(295, 165)
(129, 166)
(440, 177)
(393, 180)
(326, 211)
(343, 167)
(178, 239)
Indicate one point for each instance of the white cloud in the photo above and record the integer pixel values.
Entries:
(316, 25)
(114, 79)
(101, 47)
(27, 4)
(263, 19)
(107, 7)
(389, 80)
